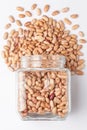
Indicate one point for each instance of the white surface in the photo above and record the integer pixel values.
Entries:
(9, 119)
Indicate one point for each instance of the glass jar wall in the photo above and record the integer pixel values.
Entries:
(43, 88)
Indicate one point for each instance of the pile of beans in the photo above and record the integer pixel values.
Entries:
(43, 36)
(43, 92)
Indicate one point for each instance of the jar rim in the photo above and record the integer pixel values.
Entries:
(41, 60)
(43, 57)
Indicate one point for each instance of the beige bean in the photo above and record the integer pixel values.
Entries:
(53, 75)
(74, 27)
(11, 19)
(19, 8)
(28, 13)
(29, 96)
(42, 104)
(34, 109)
(45, 18)
(82, 41)
(56, 100)
(74, 16)
(7, 26)
(21, 15)
(81, 34)
(29, 82)
(51, 104)
(38, 104)
(65, 10)
(30, 103)
(46, 110)
(51, 84)
(60, 114)
(62, 75)
(56, 12)
(40, 110)
(81, 66)
(5, 36)
(65, 111)
(20, 30)
(3, 54)
(40, 98)
(46, 8)
(18, 22)
(81, 61)
(30, 90)
(39, 38)
(67, 21)
(64, 103)
(54, 110)
(38, 11)
(79, 72)
(47, 100)
(64, 98)
(34, 100)
(34, 6)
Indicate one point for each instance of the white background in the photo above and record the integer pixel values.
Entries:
(9, 119)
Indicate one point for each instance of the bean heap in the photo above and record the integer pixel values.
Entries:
(43, 92)
(43, 36)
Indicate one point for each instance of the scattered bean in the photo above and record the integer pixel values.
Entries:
(11, 19)
(65, 10)
(33, 6)
(38, 11)
(7, 26)
(46, 8)
(21, 15)
(81, 34)
(19, 8)
(28, 13)
(82, 41)
(18, 22)
(5, 36)
(67, 21)
(56, 12)
(74, 16)
(74, 27)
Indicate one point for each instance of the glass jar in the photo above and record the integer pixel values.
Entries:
(43, 88)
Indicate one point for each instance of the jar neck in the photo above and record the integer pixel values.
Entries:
(40, 61)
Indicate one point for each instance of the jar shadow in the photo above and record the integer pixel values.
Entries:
(74, 94)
